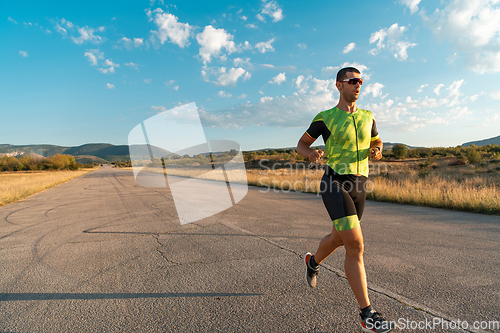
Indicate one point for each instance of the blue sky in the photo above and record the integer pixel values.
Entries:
(81, 72)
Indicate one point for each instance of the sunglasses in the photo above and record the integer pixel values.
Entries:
(354, 80)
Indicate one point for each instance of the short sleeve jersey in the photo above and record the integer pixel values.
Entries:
(347, 138)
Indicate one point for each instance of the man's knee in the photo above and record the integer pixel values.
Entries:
(354, 247)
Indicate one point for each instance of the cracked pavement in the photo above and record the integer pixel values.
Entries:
(103, 254)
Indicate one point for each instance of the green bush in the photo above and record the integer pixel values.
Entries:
(400, 151)
(473, 155)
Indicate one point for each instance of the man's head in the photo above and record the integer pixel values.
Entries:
(349, 89)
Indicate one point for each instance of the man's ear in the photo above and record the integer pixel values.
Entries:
(339, 85)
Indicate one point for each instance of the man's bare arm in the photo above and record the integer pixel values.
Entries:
(303, 148)
(374, 152)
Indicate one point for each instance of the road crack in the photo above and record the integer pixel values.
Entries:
(373, 288)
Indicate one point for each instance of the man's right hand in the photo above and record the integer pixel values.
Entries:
(315, 155)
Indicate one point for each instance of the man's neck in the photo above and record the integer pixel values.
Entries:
(347, 107)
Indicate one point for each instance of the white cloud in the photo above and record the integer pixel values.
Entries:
(473, 29)
(299, 80)
(247, 76)
(263, 47)
(130, 43)
(454, 92)
(401, 48)
(224, 94)
(242, 96)
(438, 88)
(148, 81)
(292, 111)
(349, 47)
(131, 64)
(412, 4)
(110, 63)
(93, 55)
(278, 79)
(23, 54)
(86, 34)
(106, 70)
(67, 23)
(110, 86)
(231, 77)
(379, 37)
(251, 26)
(474, 98)
(422, 87)
(271, 9)
(413, 114)
(260, 18)
(176, 88)
(302, 46)
(224, 77)
(375, 89)
(390, 37)
(212, 41)
(460, 112)
(169, 29)
(329, 70)
(495, 94)
(244, 18)
(246, 46)
(10, 19)
(240, 62)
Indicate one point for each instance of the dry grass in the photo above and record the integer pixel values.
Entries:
(465, 188)
(18, 185)
(417, 182)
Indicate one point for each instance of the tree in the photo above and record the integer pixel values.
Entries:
(400, 151)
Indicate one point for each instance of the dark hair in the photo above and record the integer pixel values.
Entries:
(341, 75)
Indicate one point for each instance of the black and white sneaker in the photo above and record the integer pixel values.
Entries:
(374, 322)
(310, 273)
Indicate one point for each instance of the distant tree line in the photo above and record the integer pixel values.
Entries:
(472, 154)
(28, 163)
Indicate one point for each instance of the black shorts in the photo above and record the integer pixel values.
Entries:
(344, 197)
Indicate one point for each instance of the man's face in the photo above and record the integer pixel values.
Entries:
(348, 90)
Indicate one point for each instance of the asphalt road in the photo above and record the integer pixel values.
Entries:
(103, 254)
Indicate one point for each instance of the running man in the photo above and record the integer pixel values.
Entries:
(350, 136)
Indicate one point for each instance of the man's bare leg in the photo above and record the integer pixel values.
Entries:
(328, 245)
(354, 266)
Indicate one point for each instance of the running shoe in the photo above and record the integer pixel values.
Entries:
(374, 322)
(310, 273)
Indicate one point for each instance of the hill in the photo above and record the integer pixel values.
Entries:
(485, 142)
(95, 152)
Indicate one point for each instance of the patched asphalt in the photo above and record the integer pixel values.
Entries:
(103, 254)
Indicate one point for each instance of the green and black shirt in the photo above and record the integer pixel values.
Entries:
(347, 139)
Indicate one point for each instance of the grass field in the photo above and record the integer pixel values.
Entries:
(417, 182)
(18, 185)
(425, 182)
